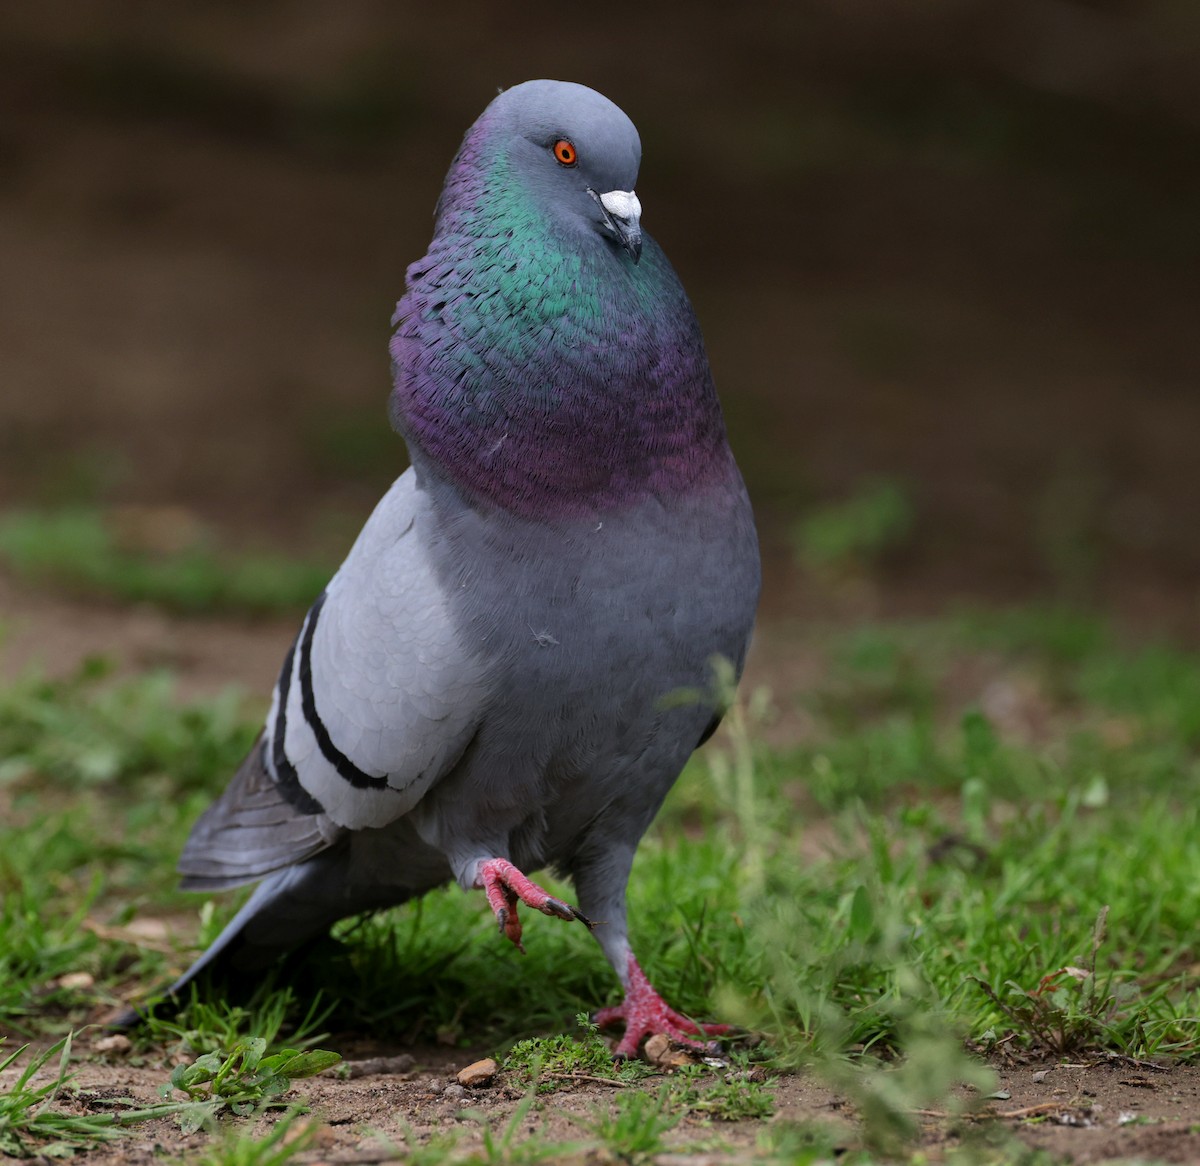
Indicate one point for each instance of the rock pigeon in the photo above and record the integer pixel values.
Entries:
(484, 688)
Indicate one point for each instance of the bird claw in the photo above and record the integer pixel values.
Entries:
(505, 887)
(644, 1012)
(590, 924)
(510, 926)
(558, 908)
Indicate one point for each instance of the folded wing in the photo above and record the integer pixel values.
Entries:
(377, 700)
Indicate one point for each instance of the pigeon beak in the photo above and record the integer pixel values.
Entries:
(622, 216)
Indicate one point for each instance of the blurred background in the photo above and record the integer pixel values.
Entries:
(945, 255)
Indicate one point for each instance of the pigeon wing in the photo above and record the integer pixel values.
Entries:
(376, 701)
(250, 831)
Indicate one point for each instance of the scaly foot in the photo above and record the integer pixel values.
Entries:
(505, 887)
(645, 1012)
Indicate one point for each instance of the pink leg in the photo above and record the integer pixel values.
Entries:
(645, 1012)
(505, 887)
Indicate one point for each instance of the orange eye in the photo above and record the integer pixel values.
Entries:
(564, 152)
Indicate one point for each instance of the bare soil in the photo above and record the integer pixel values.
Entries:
(1096, 1111)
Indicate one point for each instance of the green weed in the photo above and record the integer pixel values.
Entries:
(29, 1124)
(244, 1079)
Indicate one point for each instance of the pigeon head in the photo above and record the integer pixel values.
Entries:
(565, 151)
(576, 152)
(546, 358)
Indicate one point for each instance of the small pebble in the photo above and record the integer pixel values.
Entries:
(117, 1043)
(74, 981)
(454, 1092)
(663, 1053)
(478, 1074)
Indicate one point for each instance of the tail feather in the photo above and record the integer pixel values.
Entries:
(226, 955)
(250, 831)
(288, 909)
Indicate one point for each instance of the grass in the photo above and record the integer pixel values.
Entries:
(851, 536)
(26, 1118)
(208, 1027)
(289, 1136)
(158, 557)
(31, 1124)
(545, 1063)
(633, 1130)
(988, 836)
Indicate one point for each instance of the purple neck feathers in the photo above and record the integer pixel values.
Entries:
(543, 372)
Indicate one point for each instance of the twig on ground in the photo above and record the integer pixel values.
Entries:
(589, 1077)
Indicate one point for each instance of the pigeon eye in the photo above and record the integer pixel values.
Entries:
(564, 152)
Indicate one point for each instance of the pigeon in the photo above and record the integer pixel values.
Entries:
(490, 683)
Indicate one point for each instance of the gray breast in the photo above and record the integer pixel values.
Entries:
(589, 633)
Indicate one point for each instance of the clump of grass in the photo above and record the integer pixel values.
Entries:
(29, 1123)
(735, 1095)
(1070, 1010)
(633, 1129)
(460, 985)
(27, 1115)
(504, 1147)
(204, 1026)
(289, 1137)
(79, 551)
(548, 1063)
(808, 1143)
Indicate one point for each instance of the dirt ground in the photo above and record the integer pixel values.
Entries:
(1082, 1112)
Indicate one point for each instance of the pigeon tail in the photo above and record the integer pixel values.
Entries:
(644, 1013)
(505, 887)
(218, 959)
(287, 913)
